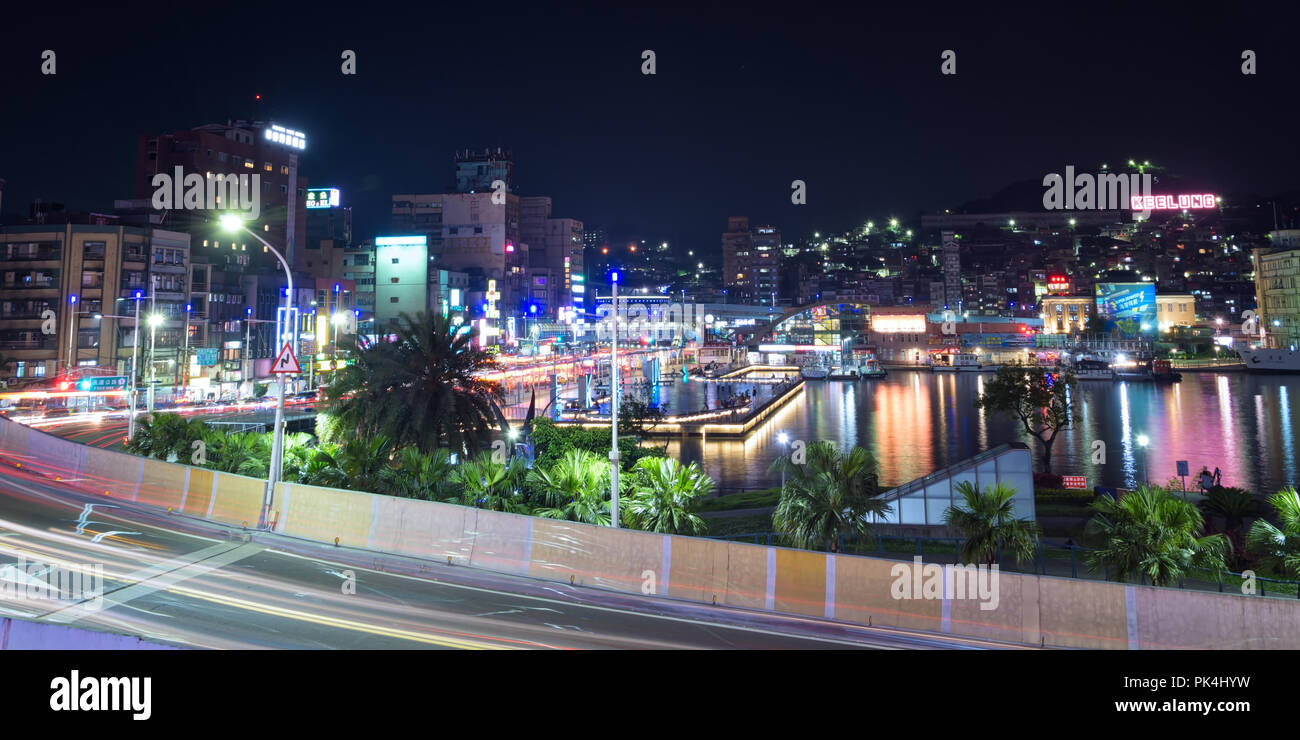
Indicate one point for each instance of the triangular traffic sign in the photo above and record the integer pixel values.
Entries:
(286, 362)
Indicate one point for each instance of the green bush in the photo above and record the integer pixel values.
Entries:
(551, 441)
(766, 497)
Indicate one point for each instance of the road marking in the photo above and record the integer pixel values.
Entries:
(159, 577)
(684, 620)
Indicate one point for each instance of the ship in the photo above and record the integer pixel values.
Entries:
(1270, 360)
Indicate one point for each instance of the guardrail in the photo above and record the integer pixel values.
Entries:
(1049, 560)
(1030, 609)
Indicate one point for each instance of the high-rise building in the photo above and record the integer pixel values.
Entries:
(952, 283)
(234, 148)
(750, 261)
(555, 255)
(1277, 291)
(64, 288)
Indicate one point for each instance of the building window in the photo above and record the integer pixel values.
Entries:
(267, 166)
(395, 260)
(393, 299)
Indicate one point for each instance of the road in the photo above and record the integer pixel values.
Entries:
(107, 429)
(194, 583)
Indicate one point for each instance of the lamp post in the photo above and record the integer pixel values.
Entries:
(185, 355)
(154, 320)
(613, 409)
(135, 352)
(232, 222)
(72, 332)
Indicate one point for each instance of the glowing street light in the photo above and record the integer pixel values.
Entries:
(233, 223)
(613, 408)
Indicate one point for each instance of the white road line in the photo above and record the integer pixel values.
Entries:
(156, 578)
(684, 620)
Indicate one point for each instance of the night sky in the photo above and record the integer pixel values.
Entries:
(744, 102)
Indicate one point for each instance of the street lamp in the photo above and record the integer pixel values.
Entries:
(613, 408)
(185, 355)
(72, 331)
(135, 352)
(232, 222)
(154, 320)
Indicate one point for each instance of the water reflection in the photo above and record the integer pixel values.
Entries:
(916, 422)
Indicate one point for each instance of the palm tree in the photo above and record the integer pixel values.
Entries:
(1279, 547)
(1150, 533)
(357, 465)
(423, 476)
(242, 454)
(575, 488)
(988, 523)
(1233, 505)
(422, 389)
(490, 484)
(832, 495)
(664, 495)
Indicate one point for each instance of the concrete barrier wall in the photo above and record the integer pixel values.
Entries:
(16, 634)
(1035, 610)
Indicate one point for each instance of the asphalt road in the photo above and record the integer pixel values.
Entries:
(189, 582)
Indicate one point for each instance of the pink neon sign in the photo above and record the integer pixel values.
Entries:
(1171, 202)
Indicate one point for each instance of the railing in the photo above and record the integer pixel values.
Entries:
(1209, 362)
(948, 472)
(1049, 560)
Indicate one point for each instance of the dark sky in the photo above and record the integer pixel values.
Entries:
(745, 101)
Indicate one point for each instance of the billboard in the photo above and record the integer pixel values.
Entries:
(1129, 308)
(322, 197)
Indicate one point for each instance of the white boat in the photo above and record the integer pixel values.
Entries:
(962, 363)
(814, 372)
(1270, 360)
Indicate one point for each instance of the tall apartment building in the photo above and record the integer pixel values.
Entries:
(1277, 292)
(65, 288)
(751, 261)
(233, 148)
(486, 241)
(555, 255)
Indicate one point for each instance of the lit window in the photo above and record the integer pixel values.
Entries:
(248, 164)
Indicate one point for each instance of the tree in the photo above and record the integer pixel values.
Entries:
(1042, 401)
(423, 476)
(488, 484)
(665, 494)
(1150, 533)
(168, 437)
(552, 441)
(359, 465)
(575, 488)
(1233, 506)
(636, 417)
(829, 496)
(421, 389)
(1279, 547)
(988, 523)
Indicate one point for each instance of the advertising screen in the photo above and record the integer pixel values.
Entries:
(1129, 308)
